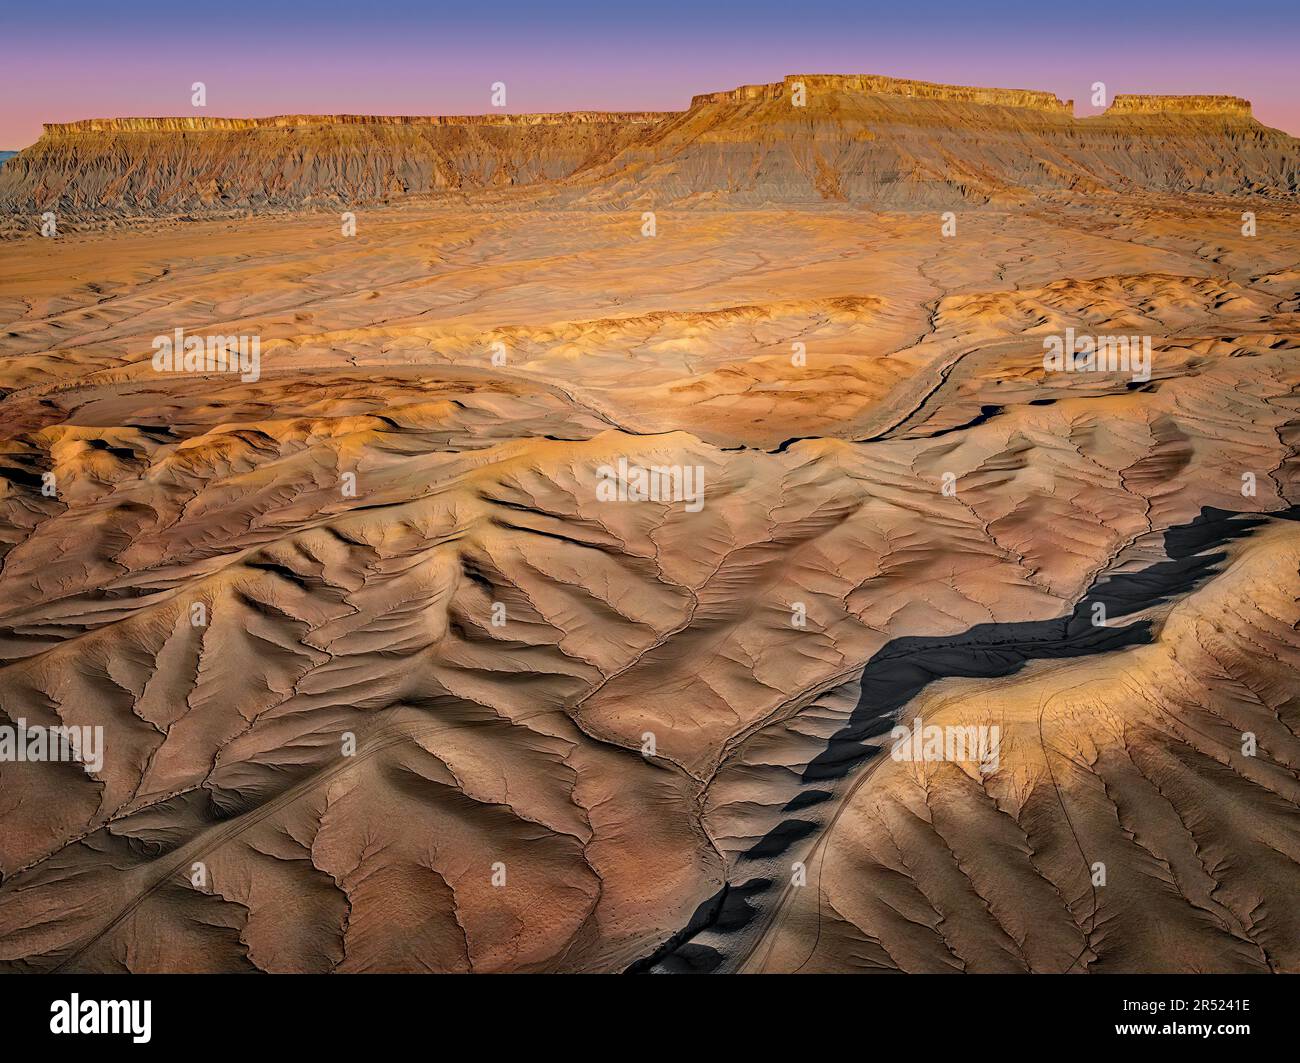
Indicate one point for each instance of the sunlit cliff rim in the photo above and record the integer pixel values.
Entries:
(880, 85)
(1124, 104)
(196, 123)
(890, 86)
(870, 84)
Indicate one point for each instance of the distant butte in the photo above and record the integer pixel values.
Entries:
(872, 84)
(809, 140)
(888, 86)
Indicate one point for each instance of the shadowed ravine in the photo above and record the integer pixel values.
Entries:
(724, 930)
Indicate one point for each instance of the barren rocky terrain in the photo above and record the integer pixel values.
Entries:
(387, 684)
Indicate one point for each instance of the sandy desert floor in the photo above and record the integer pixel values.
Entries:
(608, 736)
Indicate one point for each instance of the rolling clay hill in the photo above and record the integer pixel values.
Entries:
(809, 140)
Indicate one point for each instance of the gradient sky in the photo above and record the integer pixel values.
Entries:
(70, 60)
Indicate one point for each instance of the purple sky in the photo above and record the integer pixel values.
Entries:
(64, 61)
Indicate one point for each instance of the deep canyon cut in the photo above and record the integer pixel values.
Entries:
(389, 681)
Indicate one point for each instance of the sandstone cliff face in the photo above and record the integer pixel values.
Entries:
(1221, 105)
(887, 86)
(168, 165)
(809, 140)
(891, 144)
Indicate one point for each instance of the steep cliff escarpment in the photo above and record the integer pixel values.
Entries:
(166, 165)
(809, 140)
(887, 143)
